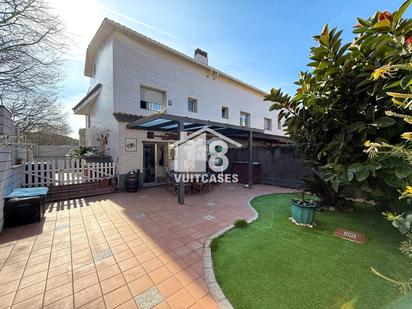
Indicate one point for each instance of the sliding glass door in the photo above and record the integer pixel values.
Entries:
(149, 163)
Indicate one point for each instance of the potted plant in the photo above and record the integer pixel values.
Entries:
(303, 211)
(105, 182)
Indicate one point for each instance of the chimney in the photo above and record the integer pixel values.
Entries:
(201, 56)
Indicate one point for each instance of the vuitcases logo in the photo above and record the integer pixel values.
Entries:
(197, 159)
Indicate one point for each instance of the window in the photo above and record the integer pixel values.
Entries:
(192, 105)
(225, 112)
(268, 124)
(151, 99)
(279, 124)
(151, 106)
(244, 119)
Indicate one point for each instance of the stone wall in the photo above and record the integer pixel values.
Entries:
(50, 152)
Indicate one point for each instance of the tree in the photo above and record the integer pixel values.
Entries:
(341, 104)
(399, 75)
(31, 46)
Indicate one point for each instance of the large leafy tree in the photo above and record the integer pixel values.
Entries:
(343, 102)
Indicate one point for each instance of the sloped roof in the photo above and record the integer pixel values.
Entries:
(123, 117)
(108, 27)
(88, 98)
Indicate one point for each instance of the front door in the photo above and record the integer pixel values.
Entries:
(149, 163)
(161, 160)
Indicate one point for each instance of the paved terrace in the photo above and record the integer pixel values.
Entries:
(123, 250)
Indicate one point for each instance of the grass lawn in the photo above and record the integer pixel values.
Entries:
(276, 264)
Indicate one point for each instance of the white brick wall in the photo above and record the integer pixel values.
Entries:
(136, 64)
(123, 65)
(101, 115)
(10, 176)
(134, 160)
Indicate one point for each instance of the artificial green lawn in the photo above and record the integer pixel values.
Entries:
(276, 264)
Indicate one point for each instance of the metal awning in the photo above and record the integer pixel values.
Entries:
(168, 123)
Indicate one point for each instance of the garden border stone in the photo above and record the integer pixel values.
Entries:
(211, 282)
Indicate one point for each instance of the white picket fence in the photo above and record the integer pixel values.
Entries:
(65, 172)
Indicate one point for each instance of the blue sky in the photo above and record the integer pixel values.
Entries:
(265, 43)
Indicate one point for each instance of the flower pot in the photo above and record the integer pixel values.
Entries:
(105, 182)
(132, 181)
(303, 212)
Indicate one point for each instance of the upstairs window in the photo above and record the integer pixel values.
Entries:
(244, 119)
(192, 105)
(268, 124)
(151, 106)
(225, 112)
(279, 124)
(151, 99)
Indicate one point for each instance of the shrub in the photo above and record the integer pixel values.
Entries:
(328, 197)
(78, 153)
(343, 103)
(241, 223)
(406, 246)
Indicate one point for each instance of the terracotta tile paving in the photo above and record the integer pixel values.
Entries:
(119, 250)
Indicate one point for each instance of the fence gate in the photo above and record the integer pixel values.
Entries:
(62, 172)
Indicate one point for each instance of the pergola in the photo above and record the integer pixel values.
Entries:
(172, 123)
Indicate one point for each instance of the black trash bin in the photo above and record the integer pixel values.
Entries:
(26, 210)
(132, 181)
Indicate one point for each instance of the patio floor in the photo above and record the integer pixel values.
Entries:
(123, 250)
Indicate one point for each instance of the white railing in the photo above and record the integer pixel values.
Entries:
(65, 172)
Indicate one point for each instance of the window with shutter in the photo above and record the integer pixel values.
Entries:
(151, 99)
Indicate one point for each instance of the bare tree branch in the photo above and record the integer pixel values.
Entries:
(31, 45)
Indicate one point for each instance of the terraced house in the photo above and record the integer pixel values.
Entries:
(141, 90)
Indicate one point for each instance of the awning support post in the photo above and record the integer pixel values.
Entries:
(250, 160)
(181, 195)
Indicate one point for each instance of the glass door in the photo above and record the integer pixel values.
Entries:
(149, 163)
(161, 162)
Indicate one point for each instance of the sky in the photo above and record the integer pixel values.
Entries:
(264, 43)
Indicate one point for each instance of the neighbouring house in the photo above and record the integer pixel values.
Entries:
(142, 91)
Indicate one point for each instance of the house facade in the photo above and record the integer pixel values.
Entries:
(133, 77)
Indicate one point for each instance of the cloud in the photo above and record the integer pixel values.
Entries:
(139, 22)
(145, 25)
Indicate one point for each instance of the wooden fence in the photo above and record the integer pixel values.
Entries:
(65, 172)
(281, 165)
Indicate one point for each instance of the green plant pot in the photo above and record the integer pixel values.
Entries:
(303, 213)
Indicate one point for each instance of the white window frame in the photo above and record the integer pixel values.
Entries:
(153, 106)
(194, 105)
(245, 119)
(269, 122)
(225, 112)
